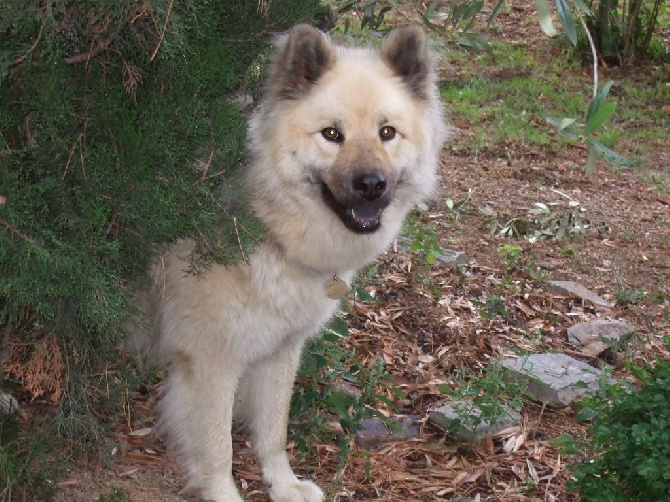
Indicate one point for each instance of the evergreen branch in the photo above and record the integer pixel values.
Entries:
(15, 231)
(162, 35)
(69, 158)
(205, 241)
(22, 58)
(100, 46)
(205, 169)
(239, 241)
(106, 43)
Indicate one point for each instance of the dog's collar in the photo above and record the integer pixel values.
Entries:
(334, 286)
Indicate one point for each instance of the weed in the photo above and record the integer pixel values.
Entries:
(423, 239)
(325, 365)
(424, 242)
(458, 208)
(511, 255)
(567, 250)
(630, 296)
(484, 398)
(493, 308)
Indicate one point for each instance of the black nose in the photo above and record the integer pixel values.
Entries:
(370, 186)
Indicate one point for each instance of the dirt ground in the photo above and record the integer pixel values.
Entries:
(624, 257)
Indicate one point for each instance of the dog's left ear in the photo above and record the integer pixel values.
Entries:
(405, 51)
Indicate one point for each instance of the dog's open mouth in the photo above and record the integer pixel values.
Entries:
(363, 219)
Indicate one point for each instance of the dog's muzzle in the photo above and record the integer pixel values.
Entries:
(361, 207)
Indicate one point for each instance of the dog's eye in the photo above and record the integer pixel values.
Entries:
(387, 133)
(332, 134)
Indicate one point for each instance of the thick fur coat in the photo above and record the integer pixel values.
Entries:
(345, 143)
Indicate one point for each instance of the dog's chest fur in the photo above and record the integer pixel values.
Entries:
(247, 309)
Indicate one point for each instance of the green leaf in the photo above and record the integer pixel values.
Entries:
(567, 21)
(598, 100)
(581, 5)
(494, 14)
(474, 9)
(566, 444)
(363, 295)
(338, 327)
(609, 155)
(438, 16)
(544, 17)
(564, 127)
(444, 388)
(427, 22)
(473, 40)
(599, 117)
(561, 123)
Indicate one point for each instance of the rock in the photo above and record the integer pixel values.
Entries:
(346, 388)
(554, 379)
(451, 257)
(596, 336)
(8, 404)
(569, 288)
(471, 428)
(375, 432)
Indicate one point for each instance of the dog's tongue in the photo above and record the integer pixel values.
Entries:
(365, 217)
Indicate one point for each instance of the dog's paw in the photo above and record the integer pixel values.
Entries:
(296, 491)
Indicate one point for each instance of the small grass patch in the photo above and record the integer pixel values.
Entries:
(507, 101)
(507, 93)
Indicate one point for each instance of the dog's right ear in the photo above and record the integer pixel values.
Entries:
(303, 56)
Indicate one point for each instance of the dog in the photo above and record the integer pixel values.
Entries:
(345, 142)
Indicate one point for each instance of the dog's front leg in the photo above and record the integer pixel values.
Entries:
(263, 401)
(196, 410)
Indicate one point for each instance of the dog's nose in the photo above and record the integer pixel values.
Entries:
(370, 186)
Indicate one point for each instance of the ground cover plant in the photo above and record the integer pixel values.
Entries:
(627, 452)
(433, 326)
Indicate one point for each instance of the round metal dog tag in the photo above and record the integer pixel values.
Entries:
(335, 288)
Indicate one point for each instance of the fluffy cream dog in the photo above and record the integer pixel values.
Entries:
(345, 143)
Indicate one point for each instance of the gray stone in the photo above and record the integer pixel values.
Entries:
(375, 432)
(8, 404)
(472, 428)
(451, 257)
(554, 379)
(569, 288)
(599, 335)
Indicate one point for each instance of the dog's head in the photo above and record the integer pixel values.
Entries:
(355, 132)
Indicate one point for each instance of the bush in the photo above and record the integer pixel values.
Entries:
(117, 135)
(629, 458)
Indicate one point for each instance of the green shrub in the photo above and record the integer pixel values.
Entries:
(24, 465)
(117, 135)
(629, 440)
